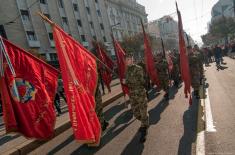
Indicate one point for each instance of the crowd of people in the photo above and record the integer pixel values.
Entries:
(216, 53)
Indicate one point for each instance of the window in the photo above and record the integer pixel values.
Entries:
(92, 25)
(104, 38)
(75, 7)
(60, 3)
(25, 15)
(88, 10)
(47, 15)
(53, 56)
(98, 13)
(43, 1)
(79, 22)
(31, 35)
(94, 37)
(101, 26)
(50, 36)
(83, 37)
(64, 21)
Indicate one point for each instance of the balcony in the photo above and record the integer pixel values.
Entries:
(34, 43)
(85, 43)
(52, 43)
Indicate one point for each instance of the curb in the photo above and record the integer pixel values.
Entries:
(30, 145)
(200, 141)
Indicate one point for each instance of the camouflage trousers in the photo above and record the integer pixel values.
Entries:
(99, 107)
(139, 108)
(195, 80)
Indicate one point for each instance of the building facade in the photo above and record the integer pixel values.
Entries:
(126, 15)
(84, 20)
(223, 8)
(167, 29)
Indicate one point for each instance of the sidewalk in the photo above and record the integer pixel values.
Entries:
(13, 142)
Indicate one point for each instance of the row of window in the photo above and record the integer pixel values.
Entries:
(32, 37)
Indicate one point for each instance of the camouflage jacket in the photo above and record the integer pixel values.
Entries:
(162, 68)
(135, 78)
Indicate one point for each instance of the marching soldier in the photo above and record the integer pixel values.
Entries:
(162, 69)
(195, 70)
(147, 84)
(176, 68)
(135, 82)
(99, 107)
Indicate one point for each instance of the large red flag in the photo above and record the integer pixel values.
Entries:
(120, 54)
(27, 96)
(105, 73)
(184, 65)
(79, 74)
(149, 61)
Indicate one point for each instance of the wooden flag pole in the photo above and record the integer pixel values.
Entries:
(52, 24)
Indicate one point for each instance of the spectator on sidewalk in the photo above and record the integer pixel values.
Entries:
(218, 56)
(57, 103)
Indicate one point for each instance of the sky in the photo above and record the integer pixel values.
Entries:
(195, 13)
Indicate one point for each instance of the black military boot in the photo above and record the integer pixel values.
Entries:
(166, 96)
(143, 132)
(105, 125)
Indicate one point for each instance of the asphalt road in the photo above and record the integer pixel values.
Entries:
(222, 99)
(172, 130)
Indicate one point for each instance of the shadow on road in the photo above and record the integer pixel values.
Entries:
(121, 123)
(7, 138)
(134, 147)
(190, 129)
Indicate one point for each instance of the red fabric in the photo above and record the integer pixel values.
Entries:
(105, 73)
(149, 61)
(32, 113)
(120, 54)
(184, 65)
(78, 65)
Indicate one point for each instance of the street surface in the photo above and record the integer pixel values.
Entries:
(172, 130)
(173, 124)
(221, 86)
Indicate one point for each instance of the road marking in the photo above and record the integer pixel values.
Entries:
(209, 119)
(200, 143)
(200, 148)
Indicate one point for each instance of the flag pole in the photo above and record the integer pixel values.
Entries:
(164, 54)
(52, 24)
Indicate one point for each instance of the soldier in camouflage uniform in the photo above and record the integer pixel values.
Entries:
(161, 66)
(176, 68)
(135, 82)
(147, 84)
(99, 107)
(201, 59)
(195, 70)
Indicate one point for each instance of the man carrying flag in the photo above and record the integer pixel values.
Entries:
(27, 87)
(120, 54)
(184, 64)
(106, 73)
(79, 74)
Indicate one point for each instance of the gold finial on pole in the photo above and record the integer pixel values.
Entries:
(46, 18)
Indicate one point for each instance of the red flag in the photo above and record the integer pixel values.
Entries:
(184, 65)
(120, 54)
(149, 61)
(79, 74)
(28, 97)
(105, 73)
